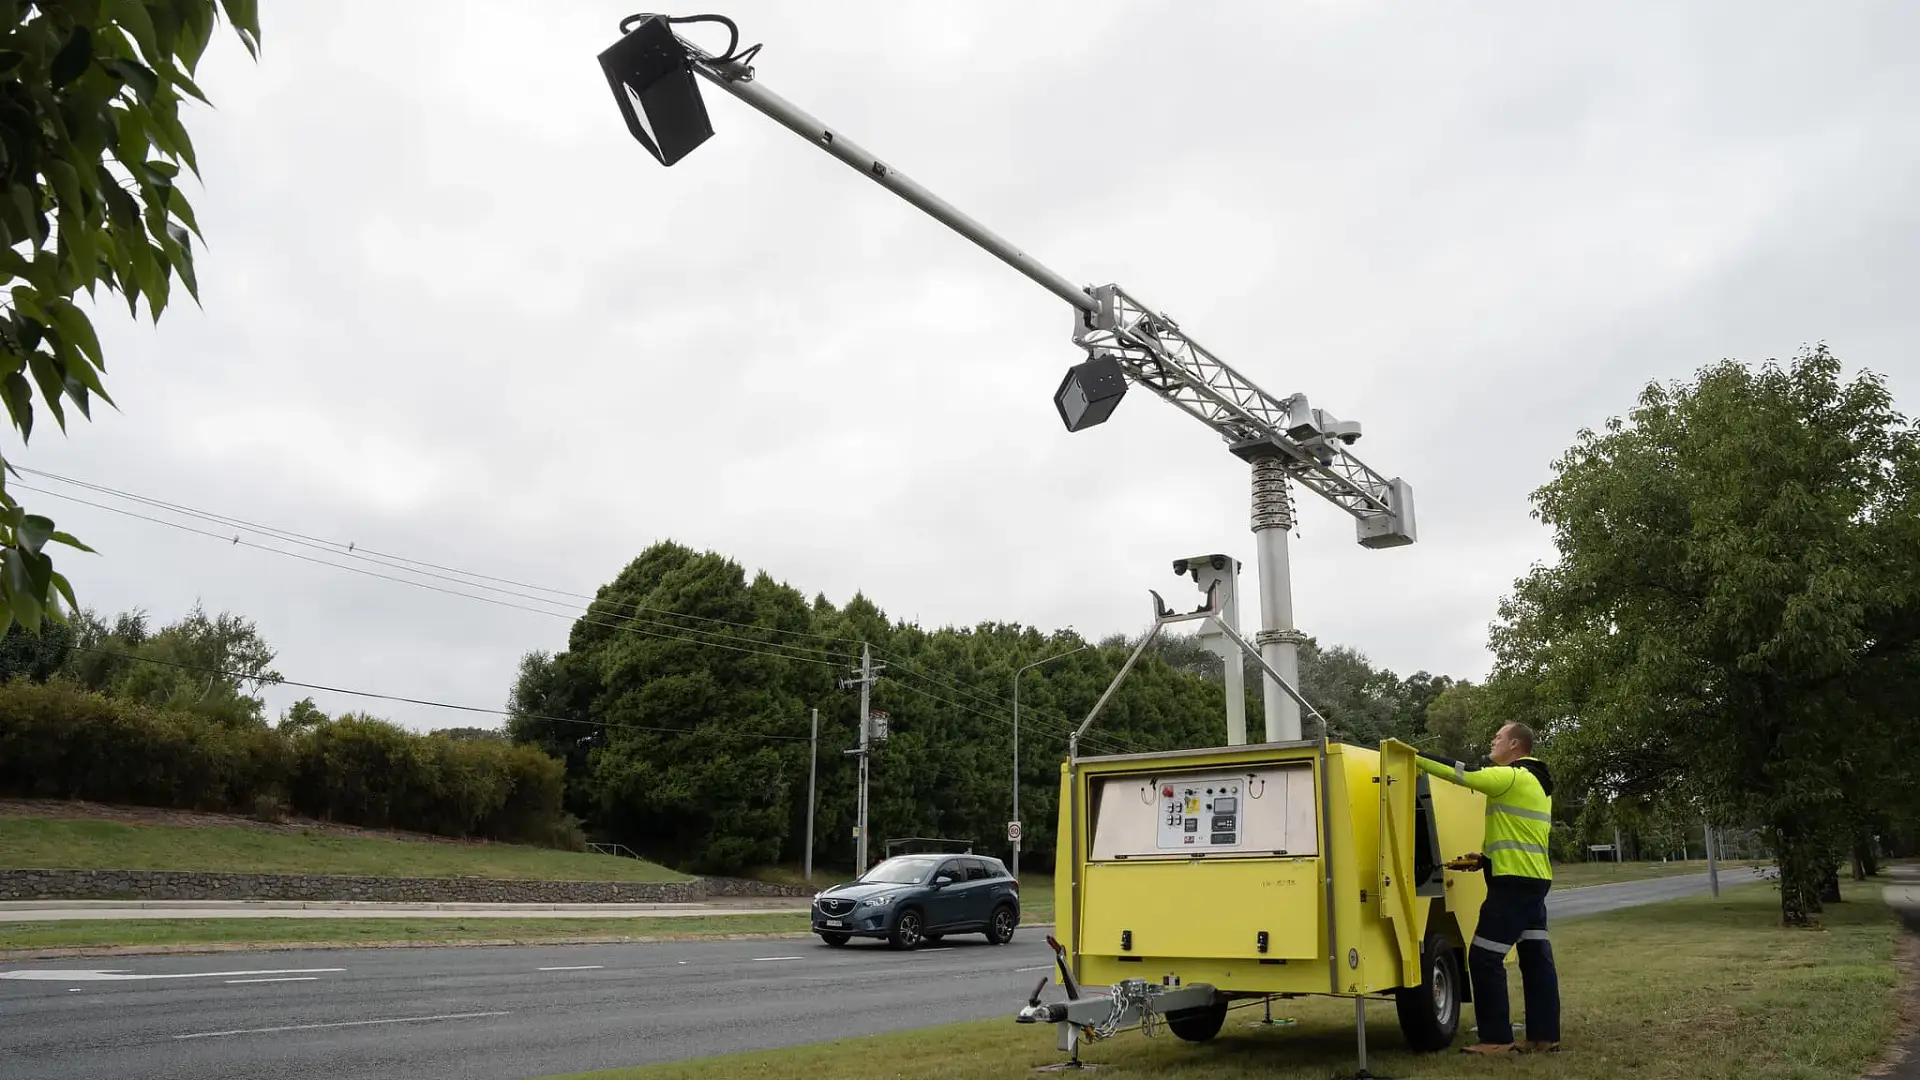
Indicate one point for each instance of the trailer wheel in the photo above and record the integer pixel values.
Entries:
(907, 931)
(836, 939)
(1430, 1012)
(1198, 1025)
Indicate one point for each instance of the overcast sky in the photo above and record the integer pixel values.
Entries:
(452, 311)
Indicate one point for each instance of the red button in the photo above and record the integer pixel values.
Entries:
(1166, 792)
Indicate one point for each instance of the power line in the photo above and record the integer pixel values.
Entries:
(586, 618)
(204, 669)
(354, 550)
(1059, 729)
(1096, 742)
(1060, 719)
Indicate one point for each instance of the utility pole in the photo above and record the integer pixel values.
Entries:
(864, 676)
(813, 766)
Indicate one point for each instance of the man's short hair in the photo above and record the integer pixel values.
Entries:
(1523, 735)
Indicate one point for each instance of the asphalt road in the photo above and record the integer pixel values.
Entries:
(66, 910)
(516, 1013)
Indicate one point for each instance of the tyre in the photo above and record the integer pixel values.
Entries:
(1000, 930)
(836, 939)
(907, 930)
(1198, 1025)
(1430, 1012)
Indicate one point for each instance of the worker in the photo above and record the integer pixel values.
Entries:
(1519, 792)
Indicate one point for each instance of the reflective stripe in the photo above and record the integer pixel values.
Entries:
(1533, 935)
(1530, 815)
(1516, 845)
(1459, 773)
(1500, 947)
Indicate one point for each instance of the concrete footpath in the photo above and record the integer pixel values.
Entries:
(58, 910)
(1903, 895)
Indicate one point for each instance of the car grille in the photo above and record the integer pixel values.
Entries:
(835, 907)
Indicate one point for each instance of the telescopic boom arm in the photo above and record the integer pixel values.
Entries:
(1284, 438)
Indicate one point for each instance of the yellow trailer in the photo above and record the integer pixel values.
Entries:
(1191, 879)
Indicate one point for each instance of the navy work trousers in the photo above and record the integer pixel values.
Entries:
(1514, 916)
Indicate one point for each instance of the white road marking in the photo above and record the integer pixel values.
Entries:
(1042, 967)
(122, 975)
(943, 948)
(580, 967)
(278, 978)
(757, 959)
(336, 1024)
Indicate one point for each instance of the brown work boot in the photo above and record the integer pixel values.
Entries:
(1490, 1048)
(1540, 1046)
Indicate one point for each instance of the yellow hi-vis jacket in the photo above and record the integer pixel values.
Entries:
(1519, 811)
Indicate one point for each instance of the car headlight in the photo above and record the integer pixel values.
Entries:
(877, 901)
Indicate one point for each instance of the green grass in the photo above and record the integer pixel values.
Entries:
(1581, 874)
(70, 844)
(108, 933)
(1697, 989)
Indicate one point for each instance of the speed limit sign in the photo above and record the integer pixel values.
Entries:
(1013, 830)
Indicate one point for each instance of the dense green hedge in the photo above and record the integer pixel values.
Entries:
(59, 741)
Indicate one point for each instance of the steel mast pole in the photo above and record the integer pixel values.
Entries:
(737, 80)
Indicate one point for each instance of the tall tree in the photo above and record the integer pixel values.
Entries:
(1736, 605)
(91, 144)
(215, 665)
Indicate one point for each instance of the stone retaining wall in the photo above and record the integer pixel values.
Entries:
(197, 885)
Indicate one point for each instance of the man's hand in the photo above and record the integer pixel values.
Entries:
(1472, 862)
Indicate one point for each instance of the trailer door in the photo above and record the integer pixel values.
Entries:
(1399, 906)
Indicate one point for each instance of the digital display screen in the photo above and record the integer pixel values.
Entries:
(1225, 805)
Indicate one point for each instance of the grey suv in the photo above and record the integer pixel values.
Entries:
(910, 899)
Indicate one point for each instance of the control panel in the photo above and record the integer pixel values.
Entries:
(1262, 810)
(1200, 812)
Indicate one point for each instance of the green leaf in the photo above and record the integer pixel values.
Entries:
(180, 80)
(196, 31)
(184, 211)
(246, 21)
(152, 277)
(67, 539)
(26, 205)
(122, 209)
(74, 324)
(9, 59)
(66, 590)
(142, 78)
(132, 15)
(72, 59)
(17, 581)
(19, 397)
(34, 532)
(180, 251)
(52, 382)
(39, 570)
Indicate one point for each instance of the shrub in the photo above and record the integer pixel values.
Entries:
(60, 741)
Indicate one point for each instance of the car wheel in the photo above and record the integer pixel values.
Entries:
(1198, 1025)
(836, 939)
(1430, 1012)
(907, 931)
(1001, 930)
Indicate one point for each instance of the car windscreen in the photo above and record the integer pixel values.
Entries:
(901, 871)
